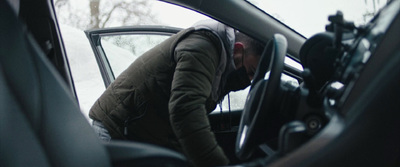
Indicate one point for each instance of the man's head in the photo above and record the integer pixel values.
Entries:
(246, 53)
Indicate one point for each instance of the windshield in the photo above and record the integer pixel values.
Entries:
(309, 17)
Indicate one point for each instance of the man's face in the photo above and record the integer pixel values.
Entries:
(250, 62)
(243, 58)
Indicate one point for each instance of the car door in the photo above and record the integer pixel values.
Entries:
(116, 48)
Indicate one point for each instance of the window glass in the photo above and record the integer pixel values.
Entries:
(289, 61)
(75, 16)
(237, 99)
(122, 50)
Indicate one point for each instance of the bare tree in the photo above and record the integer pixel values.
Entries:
(59, 3)
(95, 14)
(128, 12)
(101, 13)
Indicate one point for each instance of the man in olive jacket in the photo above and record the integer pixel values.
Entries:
(164, 96)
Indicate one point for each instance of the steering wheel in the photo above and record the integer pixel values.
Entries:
(257, 111)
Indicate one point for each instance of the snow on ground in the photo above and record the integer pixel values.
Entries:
(85, 71)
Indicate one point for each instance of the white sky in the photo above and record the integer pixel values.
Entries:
(173, 15)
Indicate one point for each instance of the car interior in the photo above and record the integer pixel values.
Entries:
(344, 113)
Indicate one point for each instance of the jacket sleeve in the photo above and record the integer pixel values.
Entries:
(197, 58)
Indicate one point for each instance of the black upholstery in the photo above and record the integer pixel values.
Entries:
(40, 121)
(139, 154)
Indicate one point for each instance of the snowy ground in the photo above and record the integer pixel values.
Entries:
(87, 78)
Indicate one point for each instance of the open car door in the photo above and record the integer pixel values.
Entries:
(116, 48)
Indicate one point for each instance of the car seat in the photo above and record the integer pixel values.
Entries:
(40, 121)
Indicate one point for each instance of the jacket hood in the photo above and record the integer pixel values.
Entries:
(226, 35)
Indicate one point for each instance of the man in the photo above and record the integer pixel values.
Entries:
(164, 96)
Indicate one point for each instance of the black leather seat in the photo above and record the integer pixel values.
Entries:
(40, 121)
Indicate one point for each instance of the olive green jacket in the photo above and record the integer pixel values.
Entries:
(164, 96)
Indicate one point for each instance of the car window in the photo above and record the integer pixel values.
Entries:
(293, 63)
(120, 50)
(236, 100)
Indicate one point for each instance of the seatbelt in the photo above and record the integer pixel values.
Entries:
(14, 5)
